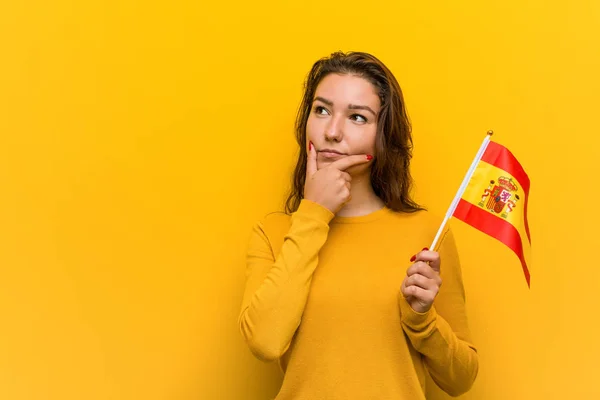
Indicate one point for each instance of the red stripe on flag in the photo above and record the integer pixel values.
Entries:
(494, 226)
(499, 156)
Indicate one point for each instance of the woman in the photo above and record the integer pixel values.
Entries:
(330, 291)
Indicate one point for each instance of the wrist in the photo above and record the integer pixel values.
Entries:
(315, 210)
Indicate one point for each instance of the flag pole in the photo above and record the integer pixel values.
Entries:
(462, 187)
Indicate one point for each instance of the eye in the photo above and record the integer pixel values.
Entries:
(358, 118)
(321, 110)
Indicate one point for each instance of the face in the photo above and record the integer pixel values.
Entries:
(343, 119)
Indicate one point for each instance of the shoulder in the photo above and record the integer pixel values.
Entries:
(275, 222)
(272, 228)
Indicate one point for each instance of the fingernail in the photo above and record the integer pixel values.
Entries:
(369, 157)
(309, 146)
(413, 258)
(425, 249)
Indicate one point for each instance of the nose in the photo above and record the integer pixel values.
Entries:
(333, 130)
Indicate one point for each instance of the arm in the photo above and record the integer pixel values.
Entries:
(277, 288)
(442, 334)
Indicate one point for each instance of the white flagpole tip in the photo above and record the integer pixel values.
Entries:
(490, 132)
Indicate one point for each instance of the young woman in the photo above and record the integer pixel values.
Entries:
(338, 289)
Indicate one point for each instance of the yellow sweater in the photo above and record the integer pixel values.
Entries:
(323, 297)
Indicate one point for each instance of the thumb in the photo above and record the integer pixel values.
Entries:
(311, 160)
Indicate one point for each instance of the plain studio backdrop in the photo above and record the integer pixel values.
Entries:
(139, 142)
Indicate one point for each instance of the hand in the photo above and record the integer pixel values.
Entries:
(422, 282)
(330, 186)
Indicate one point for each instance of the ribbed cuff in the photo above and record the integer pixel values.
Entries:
(417, 322)
(315, 211)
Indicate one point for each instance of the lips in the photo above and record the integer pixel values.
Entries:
(331, 153)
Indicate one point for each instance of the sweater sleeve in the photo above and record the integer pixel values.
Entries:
(442, 334)
(277, 286)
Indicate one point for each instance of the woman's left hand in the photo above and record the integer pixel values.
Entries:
(422, 282)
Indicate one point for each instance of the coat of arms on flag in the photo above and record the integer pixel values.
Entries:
(502, 198)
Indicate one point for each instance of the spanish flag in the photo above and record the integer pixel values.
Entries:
(493, 199)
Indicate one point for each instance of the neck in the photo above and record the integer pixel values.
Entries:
(363, 199)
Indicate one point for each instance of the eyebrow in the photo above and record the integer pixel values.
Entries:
(350, 106)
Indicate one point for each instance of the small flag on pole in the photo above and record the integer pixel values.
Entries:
(493, 199)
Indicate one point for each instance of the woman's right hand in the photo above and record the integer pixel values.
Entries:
(330, 186)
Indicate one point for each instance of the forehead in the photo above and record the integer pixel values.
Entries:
(348, 89)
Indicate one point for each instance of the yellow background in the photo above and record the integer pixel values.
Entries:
(140, 140)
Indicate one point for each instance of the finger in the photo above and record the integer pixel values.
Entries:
(344, 163)
(311, 160)
(430, 257)
(422, 295)
(403, 289)
(346, 176)
(422, 268)
(406, 293)
(347, 195)
(422, 282)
